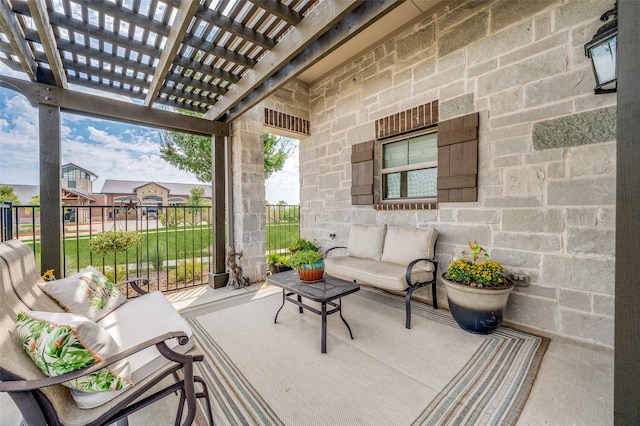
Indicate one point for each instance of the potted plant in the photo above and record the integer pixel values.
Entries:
(302, 245)
(477, 291)
(277, 263)
(309, 264)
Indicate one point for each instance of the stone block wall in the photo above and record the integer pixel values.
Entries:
(247, 174)
(546, 190)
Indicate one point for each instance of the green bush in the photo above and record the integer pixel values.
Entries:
(114, 241)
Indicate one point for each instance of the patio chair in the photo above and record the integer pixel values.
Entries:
(164, 360)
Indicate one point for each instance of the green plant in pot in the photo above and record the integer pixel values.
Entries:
(277, 263)
(302, 245)
(477, 291)
(309, 264)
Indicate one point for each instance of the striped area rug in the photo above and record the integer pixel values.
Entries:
(261, 373)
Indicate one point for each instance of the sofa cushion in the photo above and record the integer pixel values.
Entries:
(88, 293)
(135, 322)
(365, 241)
(59, 343)
(403, 245)
(387, 276)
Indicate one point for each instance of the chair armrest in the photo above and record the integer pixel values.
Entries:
(413, 263)
(134, 284)
(159, 342)
(326, 253)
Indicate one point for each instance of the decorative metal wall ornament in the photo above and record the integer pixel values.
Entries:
(602, 50)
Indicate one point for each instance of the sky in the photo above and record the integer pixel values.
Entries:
(110, 149)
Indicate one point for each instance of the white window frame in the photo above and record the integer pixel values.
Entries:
(407, 168)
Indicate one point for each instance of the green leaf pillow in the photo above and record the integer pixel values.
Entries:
(88, 293)
(62, 342)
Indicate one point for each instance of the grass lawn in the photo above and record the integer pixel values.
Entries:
(171, 244)
(281, 235)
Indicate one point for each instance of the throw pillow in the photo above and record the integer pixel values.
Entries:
(59, 343)
(88, 293)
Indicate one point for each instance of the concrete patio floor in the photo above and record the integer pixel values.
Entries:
(574, 385)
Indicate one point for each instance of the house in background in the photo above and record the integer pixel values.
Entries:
(150, 195)
(76, 190)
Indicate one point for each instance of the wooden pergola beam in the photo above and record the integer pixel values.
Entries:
(185, 14)
(325, 15)
(96, 106)
(40, 18)
(11, 28)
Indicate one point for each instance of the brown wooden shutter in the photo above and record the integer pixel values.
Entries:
(362, 173)
(458, 159)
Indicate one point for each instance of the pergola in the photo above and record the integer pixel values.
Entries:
(142, 61)
(139, 61)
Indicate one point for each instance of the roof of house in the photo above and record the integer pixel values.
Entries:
(25, 193)
(79, 168)
(113, 186)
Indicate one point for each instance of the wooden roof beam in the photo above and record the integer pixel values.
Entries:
(40, 18)
(228, 24)
(316, 23)
(280, 10)
(11, 28)
(356, 21)
(186, 12)
(103, 107)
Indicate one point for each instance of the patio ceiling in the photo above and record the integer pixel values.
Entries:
(215, 57)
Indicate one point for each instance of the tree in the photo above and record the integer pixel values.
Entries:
(276, 151)
(6, 194)
(193, 153)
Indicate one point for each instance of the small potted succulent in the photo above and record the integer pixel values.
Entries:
(477, 291)
(309, 264)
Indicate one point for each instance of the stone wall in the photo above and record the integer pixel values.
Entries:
(546, 201)
(247, 165)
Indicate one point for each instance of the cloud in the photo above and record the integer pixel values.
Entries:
(111, 150)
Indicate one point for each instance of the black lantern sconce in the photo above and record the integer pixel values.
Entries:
(602, 50)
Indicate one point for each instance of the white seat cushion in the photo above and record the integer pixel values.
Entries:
(365, 241)
(403, 245)
(134, 322)
(387, 276)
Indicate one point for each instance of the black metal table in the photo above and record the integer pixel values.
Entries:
(325, 292)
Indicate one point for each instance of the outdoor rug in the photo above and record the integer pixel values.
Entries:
(261, 373)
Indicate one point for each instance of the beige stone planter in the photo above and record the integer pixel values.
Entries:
(477, 310)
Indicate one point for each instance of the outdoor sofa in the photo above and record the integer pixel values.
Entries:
(393, 258)
(151, 352)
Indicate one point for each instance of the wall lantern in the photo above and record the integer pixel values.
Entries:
(603, 53)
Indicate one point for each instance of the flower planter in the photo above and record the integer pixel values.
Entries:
(477, 310)
(310, 274)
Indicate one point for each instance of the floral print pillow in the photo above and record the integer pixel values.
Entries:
(61, 342)
(88, 293)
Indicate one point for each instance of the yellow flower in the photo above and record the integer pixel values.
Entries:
(49, 275)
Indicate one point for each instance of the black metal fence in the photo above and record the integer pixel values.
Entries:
(6, 221)
(175, 253)
(176, 250)
(283, 226)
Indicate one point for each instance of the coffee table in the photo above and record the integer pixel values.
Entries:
(325, 292)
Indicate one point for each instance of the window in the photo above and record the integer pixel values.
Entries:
(410, 167)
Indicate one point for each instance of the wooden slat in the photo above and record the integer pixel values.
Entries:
(11, 29)
(185, 14)
(362, 190)
(452, 182)
(40, 18)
